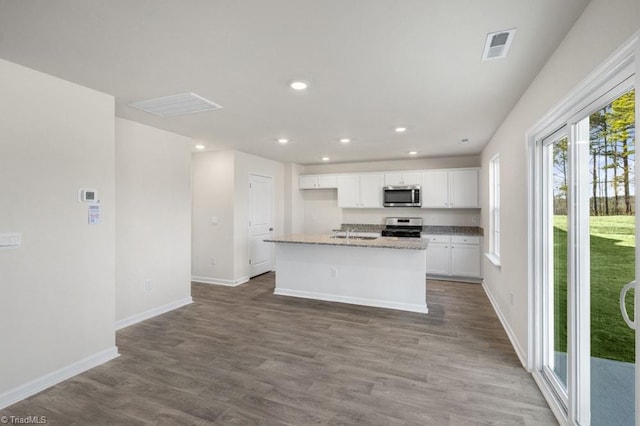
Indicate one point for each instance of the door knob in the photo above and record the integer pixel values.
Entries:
(270, 229)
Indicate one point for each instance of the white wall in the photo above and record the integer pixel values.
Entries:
(412, 164)
(602, 28)
(322, 214)
(221, 189)
(153, 219)
(213, 196)
(57, 289)
(293, 201)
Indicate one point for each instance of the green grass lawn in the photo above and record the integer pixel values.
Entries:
(612, 266)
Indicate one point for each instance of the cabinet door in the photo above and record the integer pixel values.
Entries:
(348, 191)
(412, 178)
(327, 181)
(393, 179)
(371, 190)
(438, 259)
(465, 260)
(463, 187)
(307, 181)
(435, 189)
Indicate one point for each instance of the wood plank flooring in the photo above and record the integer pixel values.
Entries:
(242, 356)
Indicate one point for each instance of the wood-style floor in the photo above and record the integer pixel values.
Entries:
(242, 356)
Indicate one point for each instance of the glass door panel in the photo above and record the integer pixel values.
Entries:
(612, 231)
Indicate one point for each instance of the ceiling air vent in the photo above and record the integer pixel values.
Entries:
(174, 105)
(497, 44)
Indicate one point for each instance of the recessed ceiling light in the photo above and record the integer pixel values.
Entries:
(401, 129)
(325, 158)
(299, 85)
(345, 140)
(413, 152)
(465, 140)
(200, 147)
(283, 140)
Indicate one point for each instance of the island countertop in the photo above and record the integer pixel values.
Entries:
(331, 240)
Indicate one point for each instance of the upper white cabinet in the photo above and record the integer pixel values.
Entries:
(360, 191)
(317, 181)
(435, 189)
(454, 188)
(403, 178)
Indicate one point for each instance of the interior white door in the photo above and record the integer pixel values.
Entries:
(260, 224)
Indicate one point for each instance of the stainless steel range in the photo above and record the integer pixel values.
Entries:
(406, 227)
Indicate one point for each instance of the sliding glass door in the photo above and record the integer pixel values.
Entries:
(587, 261)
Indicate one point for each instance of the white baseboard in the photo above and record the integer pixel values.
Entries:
(454, 279)
(352, 300)
(55, 377)
(126, 322)
(220, 281)
(507, 328)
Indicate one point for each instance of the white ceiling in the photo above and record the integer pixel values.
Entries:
(372, 65)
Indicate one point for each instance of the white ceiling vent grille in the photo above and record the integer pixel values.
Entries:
(174, 105)
(497, 44)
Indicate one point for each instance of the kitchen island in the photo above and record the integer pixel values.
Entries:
(383, 272)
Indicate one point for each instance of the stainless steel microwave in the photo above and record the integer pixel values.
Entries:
(401, 196)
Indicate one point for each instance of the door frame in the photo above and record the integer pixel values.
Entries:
(622, 66)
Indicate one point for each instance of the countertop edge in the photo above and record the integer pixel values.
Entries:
(380, 243)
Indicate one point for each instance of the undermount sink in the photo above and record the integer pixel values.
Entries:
(344, 237)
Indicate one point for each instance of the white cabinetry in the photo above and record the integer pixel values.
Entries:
(360, 191)
(455, 188)
(435, 189)
(438, 262)
(453, 256)
(317, 181)
(403, 178)
(465, 256)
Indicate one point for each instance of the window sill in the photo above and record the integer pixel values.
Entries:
(495, 260)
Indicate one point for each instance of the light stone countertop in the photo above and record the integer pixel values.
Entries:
(330, 240)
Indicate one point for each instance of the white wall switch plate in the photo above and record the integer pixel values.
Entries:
(10, 240)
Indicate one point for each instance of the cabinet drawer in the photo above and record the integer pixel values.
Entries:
(465, 239)
(444, 239)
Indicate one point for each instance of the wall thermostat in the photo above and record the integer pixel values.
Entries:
(87, 195)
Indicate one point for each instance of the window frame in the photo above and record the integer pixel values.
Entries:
(494, 211)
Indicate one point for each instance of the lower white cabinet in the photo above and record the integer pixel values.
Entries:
(438, 255)
(453, 256)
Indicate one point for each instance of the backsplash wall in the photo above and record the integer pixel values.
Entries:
(449, 217)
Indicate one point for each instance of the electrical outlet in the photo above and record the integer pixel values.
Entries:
(213, 261)
(474, 219)
(147, 285)
(334, 272)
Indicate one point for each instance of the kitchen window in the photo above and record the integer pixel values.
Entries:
(494, 210)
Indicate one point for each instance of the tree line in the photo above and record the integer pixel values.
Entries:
(612, 160)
